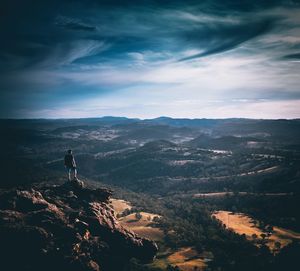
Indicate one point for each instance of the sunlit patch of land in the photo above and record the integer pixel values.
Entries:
(143, 224)
(283, 236)
(243, 224)
(186, 258)
(120, 205)
(181, 162)
(265, 170)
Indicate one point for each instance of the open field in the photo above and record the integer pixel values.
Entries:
(120, 205)
(243, 224)
(186, 258)
(142, 226)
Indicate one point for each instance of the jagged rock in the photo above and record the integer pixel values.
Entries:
(67, 227)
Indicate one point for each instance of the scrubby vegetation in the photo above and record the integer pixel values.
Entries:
(182, 171)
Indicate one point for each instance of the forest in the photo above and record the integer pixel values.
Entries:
(195, 176)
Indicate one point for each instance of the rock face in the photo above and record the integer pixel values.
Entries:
(67, 227)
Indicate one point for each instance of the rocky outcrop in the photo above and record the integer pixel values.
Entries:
(67, 227)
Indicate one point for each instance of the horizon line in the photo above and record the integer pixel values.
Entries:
(143, 119)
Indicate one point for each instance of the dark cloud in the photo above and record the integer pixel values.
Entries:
(206, 5)
(218, 38)
(33, 31)
(292, 56)
(65, 36)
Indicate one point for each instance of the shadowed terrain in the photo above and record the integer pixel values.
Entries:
(65, 227)
(169, 176)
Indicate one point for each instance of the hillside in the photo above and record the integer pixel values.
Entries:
(182, 171)
(65, 227)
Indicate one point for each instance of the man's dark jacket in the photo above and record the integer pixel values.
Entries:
(70, 161)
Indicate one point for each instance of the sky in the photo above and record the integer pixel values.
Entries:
(145, 59)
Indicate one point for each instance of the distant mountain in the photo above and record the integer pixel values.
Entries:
(185, 122)
(116, 120)
(232, 126)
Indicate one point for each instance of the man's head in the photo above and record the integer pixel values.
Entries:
(69, 151)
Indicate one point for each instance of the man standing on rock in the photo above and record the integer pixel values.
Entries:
(70, 165)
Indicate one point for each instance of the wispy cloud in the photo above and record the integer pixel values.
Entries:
(73, 24)
(222, 37)
(62, 57)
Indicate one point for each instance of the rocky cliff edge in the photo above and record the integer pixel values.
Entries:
(65, 227)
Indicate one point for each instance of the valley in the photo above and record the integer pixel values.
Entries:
(213, 194)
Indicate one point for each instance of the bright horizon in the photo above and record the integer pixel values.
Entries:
(146, 59)
(143, 119)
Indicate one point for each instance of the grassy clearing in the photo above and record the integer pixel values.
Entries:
(283, 236)
(186, 258)
(190, 265)
(182, 255)
(143, 225)
(243, 224)
(120, 205)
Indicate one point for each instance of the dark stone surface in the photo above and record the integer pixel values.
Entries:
(67, 227)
